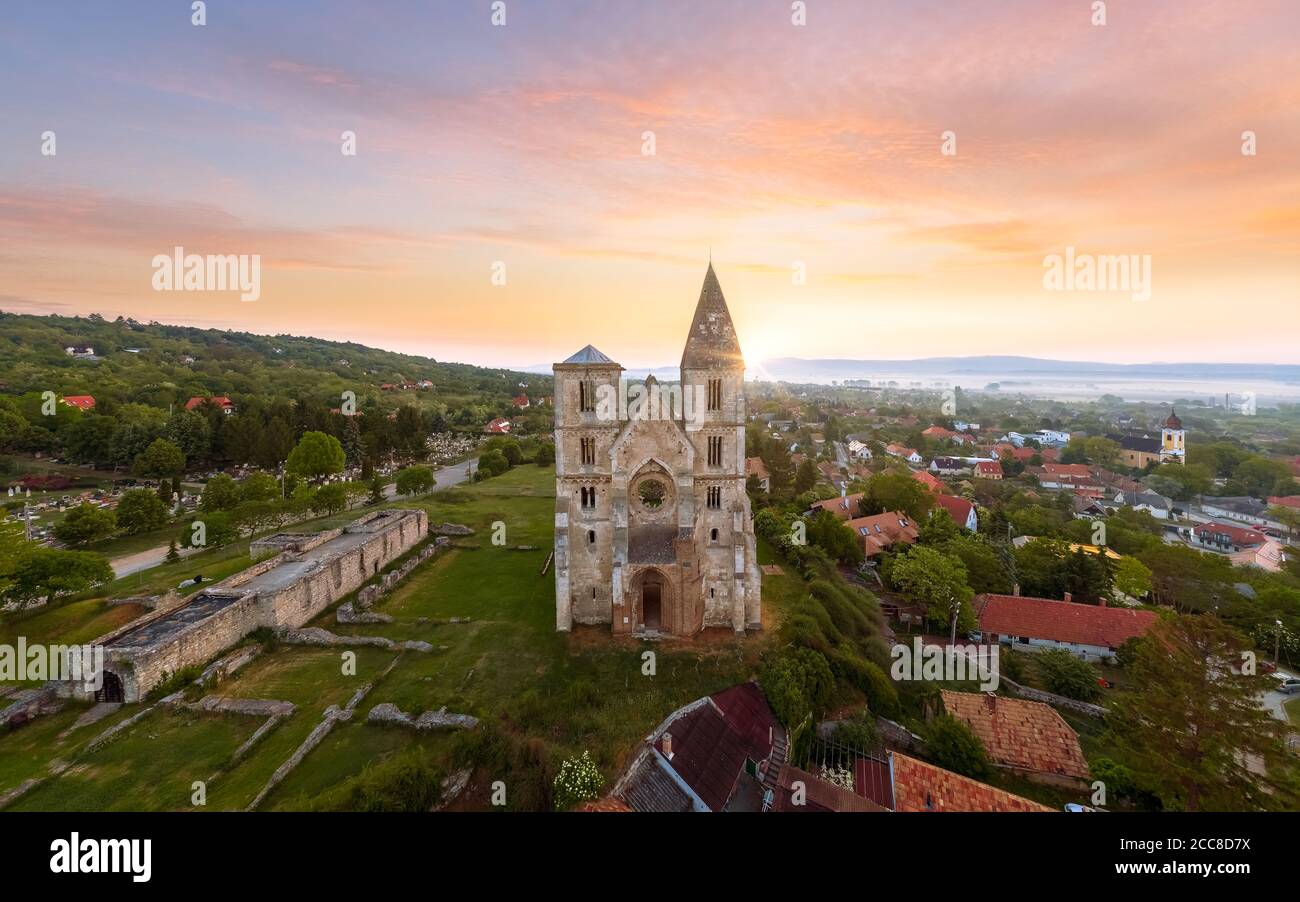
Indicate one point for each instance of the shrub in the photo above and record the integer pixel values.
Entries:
(1064, 674)
(578, 781)
(954, 746)
(408, 781)
(796, 683)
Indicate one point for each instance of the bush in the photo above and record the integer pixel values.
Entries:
(1064, 674)
(797, 683)
(84, 524)
(174, 682)
(414, 480)
(493, 463)
(545, 455)
(954, 746)
(141, 510)
(858, 732)
(578, 781)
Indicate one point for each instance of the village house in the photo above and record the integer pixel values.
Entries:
(893, 449)
(1091, 632)
(1023, 736)
(845, 507)
(949, 466)
(1226, 538)
(884, 531)
(961, 511)
(80, 352)
(754, 466)
(724, 752)
(859, 450)
(81, 402)
(226, 405)
(988, 469)
(1153, 503)
(928, 479)
(498, 426)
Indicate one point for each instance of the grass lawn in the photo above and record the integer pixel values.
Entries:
(541, 695)
(1292, 707)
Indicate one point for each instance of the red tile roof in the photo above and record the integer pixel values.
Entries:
(81, 402)
(818, 794)
(1285, 501)
(754, 466)
(845, 507)
(988, 467)
(928, 479)
(1238, 535)
(1061, 621)
(711, 742)
(219, 400)
(1020, 734)
(1078, 471)
(923, 787)
(883, 531)
(958, 508)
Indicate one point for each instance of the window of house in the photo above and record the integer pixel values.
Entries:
(586, 396)
(591, 537)
(713, 536)
(714, 497)
(589, 498)
(588, 450)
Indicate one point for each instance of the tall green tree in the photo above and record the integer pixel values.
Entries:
(316, 455)
(1192, 729)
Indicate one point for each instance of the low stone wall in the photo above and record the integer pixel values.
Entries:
(325, 639)
(28, 704)
(387, 713)
(368, 595)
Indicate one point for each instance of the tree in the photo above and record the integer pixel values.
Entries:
(805, 477)
(1132, 577)
(173, 555)
(954, 746)
(44, 573)
(90, 440)
(1191, 727)
(797, 683)
(140, 510)
(545, 456)
(189, 431)
(938, 581)
(161, 459)
(330, 499)
(414, 480)
(493, 463)
(376, 490)
(897, 490)
(1067, 675)
(317, 455)
(829, 532)
(84, 524)
(1102, 451)
(220, 494)
(259, 487)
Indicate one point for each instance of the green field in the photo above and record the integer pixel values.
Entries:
(541, 696)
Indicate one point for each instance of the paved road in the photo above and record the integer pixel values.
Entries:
(1274, 700)
(152, 557)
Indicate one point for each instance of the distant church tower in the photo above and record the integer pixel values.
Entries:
(1173, 447)
(653, 532)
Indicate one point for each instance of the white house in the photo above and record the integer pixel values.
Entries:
(1091, 632)
(859, 450)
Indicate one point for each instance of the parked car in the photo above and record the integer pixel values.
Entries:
(1267, 667)
(1288, 684)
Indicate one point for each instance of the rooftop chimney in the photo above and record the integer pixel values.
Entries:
(1102, 602)
(668, 746)
(1015, 589)
(1068, 596)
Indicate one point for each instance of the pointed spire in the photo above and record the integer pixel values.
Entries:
(712, 341)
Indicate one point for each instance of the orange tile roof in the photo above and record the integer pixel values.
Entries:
(919, 786)
(843, 507)
(883, 531)
(1022, 734)
(958, 508)
(82, 402)
(610, 804)
(818, 794)
(1061, 621)
(928, 479)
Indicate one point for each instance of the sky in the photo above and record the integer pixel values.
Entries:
(807, 160)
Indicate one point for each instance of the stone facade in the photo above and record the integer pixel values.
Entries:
(653, 532)
(305, 574)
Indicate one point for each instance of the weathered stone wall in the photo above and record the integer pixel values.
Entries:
(287, 607)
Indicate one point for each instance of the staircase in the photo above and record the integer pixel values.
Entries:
(780, 749)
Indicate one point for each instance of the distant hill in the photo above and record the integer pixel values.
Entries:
(843, 368)
(150, 361)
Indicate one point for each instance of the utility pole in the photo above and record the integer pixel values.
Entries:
(1277, 640)
(956, 609)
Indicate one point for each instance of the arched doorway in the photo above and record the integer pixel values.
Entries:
(112, 690)
(653, 601)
